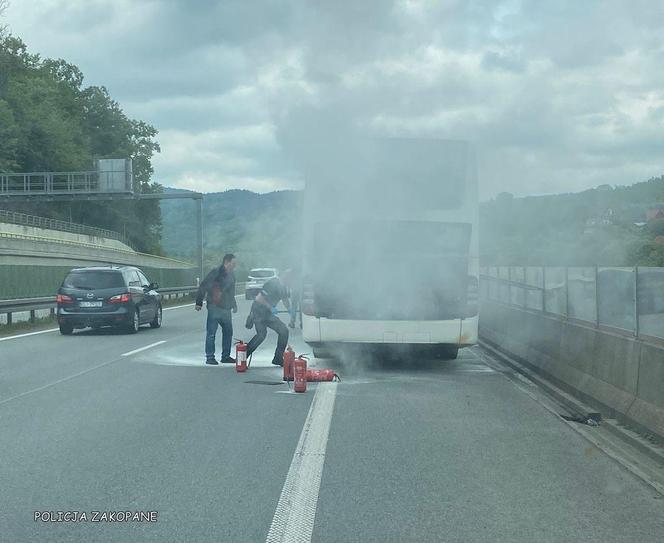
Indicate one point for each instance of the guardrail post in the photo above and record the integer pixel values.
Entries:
(32, 316)
(9, 317)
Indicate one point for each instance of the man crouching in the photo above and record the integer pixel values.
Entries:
(263, 315)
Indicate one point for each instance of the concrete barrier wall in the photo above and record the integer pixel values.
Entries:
(621, 376)
(31, 269)
(22, 230)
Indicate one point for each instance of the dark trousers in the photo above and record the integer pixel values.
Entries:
(218, 317)
(264, 319)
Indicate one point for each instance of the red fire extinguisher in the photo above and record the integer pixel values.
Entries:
(240, 357)
(300, 374)
(317, 375)
(289, 358)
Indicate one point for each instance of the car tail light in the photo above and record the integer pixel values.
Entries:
(308, 303)
(472, 296)
(64, 299)
(120, 298)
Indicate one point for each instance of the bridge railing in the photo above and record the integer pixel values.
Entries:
(628, 300)
(110, 176)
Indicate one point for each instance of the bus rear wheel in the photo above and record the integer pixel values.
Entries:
(447, 352)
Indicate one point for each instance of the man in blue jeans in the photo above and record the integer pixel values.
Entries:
(219, 288)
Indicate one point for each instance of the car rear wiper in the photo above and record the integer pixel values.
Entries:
(81, 287)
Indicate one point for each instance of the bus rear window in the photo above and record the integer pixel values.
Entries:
(393, 238)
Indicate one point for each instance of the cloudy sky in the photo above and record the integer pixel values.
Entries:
(558, 95)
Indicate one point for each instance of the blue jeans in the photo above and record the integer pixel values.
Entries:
(219, 317)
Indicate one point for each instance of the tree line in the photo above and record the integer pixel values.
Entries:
(602, 226)
(51, 121)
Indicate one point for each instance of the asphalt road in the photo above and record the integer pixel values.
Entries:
(449, 451)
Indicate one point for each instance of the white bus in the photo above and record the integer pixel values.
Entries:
(391, 253)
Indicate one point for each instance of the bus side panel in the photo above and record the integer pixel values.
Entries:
(469, 331)
(310, 329)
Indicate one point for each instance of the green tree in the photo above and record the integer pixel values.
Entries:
(50, 122)
(655, 228)
(3, 7)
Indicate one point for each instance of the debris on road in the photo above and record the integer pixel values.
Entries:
(591, 419)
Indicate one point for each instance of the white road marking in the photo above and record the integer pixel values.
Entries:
(143, 348)
(30, 334)
(293, 520)
(189, 305)
(474, 369)
(177, 307)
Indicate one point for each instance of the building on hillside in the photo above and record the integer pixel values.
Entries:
(602, 219)
(655, 213)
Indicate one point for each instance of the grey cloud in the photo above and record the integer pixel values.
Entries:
(493, 60)
(238, 106)
(557, 95)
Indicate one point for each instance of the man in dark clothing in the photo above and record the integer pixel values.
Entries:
(263, 315)
(219, 288)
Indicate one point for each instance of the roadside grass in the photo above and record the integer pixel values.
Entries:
(43, 323)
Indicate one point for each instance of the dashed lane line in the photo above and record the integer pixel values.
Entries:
(140, 349)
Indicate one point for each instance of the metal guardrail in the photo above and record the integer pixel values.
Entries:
(48, 302)
(14, 217)
(90, 246)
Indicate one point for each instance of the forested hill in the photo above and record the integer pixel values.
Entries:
(594, 227)
(262, 229)
(602, 226)
(50, 121)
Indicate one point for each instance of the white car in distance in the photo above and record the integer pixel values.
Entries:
(257, 278)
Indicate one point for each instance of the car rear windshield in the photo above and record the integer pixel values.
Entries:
(261, 273)
(90, 280)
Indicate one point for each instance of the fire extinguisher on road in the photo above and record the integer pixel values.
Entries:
(240, 357)
(300, 374)
(319, 375)
(289, 358)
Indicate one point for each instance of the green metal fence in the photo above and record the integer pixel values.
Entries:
(23, 281)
